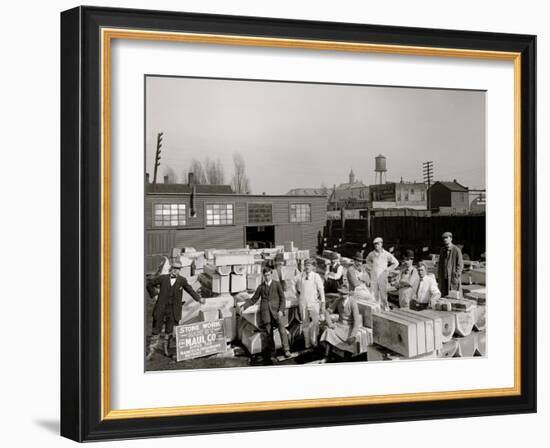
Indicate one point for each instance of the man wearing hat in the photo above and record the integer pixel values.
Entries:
(408, 280)
(167, 309)
(379, 264)
(311, 302)
(450, 265)
(334, 276)
(272, 311)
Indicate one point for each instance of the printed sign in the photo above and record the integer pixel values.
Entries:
(200, 339)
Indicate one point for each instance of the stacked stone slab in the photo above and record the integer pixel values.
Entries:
(407, 333)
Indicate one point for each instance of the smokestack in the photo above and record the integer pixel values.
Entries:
(166, 179)
(146, 178)
(191, 179)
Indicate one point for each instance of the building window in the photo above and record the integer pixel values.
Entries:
(260, 214)
(219, 214)
(300, 212)
(169, 215)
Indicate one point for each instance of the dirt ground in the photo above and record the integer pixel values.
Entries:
(237, 356)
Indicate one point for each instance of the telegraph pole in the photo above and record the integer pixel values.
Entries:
(157, 155)
(428, 171)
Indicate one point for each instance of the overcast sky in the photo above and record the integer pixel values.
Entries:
(297, 135)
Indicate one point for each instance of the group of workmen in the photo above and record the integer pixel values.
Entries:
(361, 278)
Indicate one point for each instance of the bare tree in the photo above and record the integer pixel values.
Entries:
(198, 172)
(214, 171)
(240, 181)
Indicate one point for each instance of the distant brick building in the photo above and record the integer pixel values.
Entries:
(215, 217)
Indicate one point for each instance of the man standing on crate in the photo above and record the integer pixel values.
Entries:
(450, 265)
(167, 309)
(272, 311)
(379, 264)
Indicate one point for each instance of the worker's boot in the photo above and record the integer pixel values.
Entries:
(154, 344)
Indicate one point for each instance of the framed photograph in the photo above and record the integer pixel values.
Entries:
(273, 223)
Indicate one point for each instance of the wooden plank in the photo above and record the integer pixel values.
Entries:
(395, 333)
(448, 324)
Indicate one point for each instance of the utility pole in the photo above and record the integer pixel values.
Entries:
(157, 155)
(428, 170)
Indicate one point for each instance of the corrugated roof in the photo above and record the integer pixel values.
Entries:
(185, 188)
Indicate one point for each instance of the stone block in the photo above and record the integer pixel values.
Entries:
(448, 324)
(432, 328)
(420, 331)
(395, 333)
(449, 349)
(367, 309)
(208, 314)
(480, 318)
(233, 259)
(238, 283)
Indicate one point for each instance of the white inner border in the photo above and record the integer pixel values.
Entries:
(132, 388)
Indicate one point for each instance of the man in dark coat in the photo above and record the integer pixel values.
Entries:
(450, 265)
(167, 309)
(272, 310)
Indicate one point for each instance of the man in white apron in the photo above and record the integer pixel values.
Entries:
(311, 302)
(379, 264)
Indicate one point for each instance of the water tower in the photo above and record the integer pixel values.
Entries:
(380, 169)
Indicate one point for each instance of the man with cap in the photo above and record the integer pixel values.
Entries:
(335, 274)
(408, 279)
(167, 309)
(311, 302)
(450, 265)
(272, 311)
(379, 264)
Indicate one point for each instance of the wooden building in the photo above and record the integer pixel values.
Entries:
(395, 195)
(449, 198)
(215, 217)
